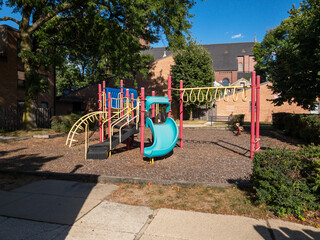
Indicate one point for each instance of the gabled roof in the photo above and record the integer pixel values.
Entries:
(223, 55)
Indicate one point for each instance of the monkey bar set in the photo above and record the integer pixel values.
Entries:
(121, 111)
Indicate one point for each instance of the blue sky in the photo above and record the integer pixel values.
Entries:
(224, 21)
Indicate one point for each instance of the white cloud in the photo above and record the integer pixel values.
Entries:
(237, 36)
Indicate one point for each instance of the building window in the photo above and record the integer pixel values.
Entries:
(44, 105)
(240, 67)
(225, 82)
(21, 82)
(242, 84)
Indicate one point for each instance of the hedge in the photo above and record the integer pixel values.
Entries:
(288, 181)
(304, 126)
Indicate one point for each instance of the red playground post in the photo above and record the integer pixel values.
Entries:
(132, 105)
(257, 146)
(121, 97)
(153, 108)
(142, 99)
(104, 98)
(181, 114)
(169, 94)
(128, 113)
(109, 114)
(100, 109)
(253, 103)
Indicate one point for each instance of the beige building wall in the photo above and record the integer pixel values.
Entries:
(266, 107)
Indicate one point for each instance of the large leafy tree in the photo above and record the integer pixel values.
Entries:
(193, 66)
(289, 56)
(105, 34)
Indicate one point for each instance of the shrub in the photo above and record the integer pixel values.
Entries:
(304, 126)
(236, 119)
(288, 182)
(63, 123)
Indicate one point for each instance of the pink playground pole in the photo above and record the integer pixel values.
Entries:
(258, 115)
(100, 109)
(121, 97)
(132, 105)
(153, 108)
(104, 98)
(142, 121)
(109, 114)
(127, 105)
(181, 114)
(169, 94)
(253, 101)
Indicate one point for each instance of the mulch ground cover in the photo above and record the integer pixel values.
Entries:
(208, 155)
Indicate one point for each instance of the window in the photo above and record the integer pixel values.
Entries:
(225, 82)
(242, 84)
(21, 82)
(240, 67)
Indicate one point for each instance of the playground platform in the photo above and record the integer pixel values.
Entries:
(59, 210)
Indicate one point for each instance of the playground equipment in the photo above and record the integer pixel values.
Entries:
(165, 135)
(121, 111)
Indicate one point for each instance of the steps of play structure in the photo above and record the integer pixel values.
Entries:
(100, 150)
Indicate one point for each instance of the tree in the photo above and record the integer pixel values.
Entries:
(193, 66)
(47, 32)
(289, 56)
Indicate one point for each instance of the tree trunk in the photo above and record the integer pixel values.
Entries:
(26, 48)
(191, 115)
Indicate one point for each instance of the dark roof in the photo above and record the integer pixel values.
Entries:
(224, 55)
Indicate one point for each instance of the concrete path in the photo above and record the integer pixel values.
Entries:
(58, 210)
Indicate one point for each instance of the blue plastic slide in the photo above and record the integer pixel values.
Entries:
(165, 135)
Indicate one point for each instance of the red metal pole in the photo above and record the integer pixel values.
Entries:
(153, 108)
(258, 115)
(121, 98)
(253, 101)
(132, 105)
(181, 114)
(169, 93)
(109, 113)
(127, 100)
(104, 104)
(142, 99)
(100, 123)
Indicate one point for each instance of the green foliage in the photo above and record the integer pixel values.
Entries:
(63, 123)
(193, 66)
(288, 182)
(304, 126)
(102, 37)
(289, 56)
(239, 118)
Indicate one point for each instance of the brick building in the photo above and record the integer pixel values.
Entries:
(230, 61)
(12, 79)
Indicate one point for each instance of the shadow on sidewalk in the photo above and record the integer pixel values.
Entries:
(286, 233)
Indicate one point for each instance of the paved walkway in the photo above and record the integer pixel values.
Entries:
(58, 210)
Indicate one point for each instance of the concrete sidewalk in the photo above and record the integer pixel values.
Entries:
(58, 210)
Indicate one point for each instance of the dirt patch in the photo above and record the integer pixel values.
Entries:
(209, 155)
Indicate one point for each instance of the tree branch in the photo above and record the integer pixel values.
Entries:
(10, 19)
(51, 14)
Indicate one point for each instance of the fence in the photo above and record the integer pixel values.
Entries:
(11, 119)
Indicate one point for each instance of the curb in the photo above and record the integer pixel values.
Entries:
(45, 136)
(94, 178)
